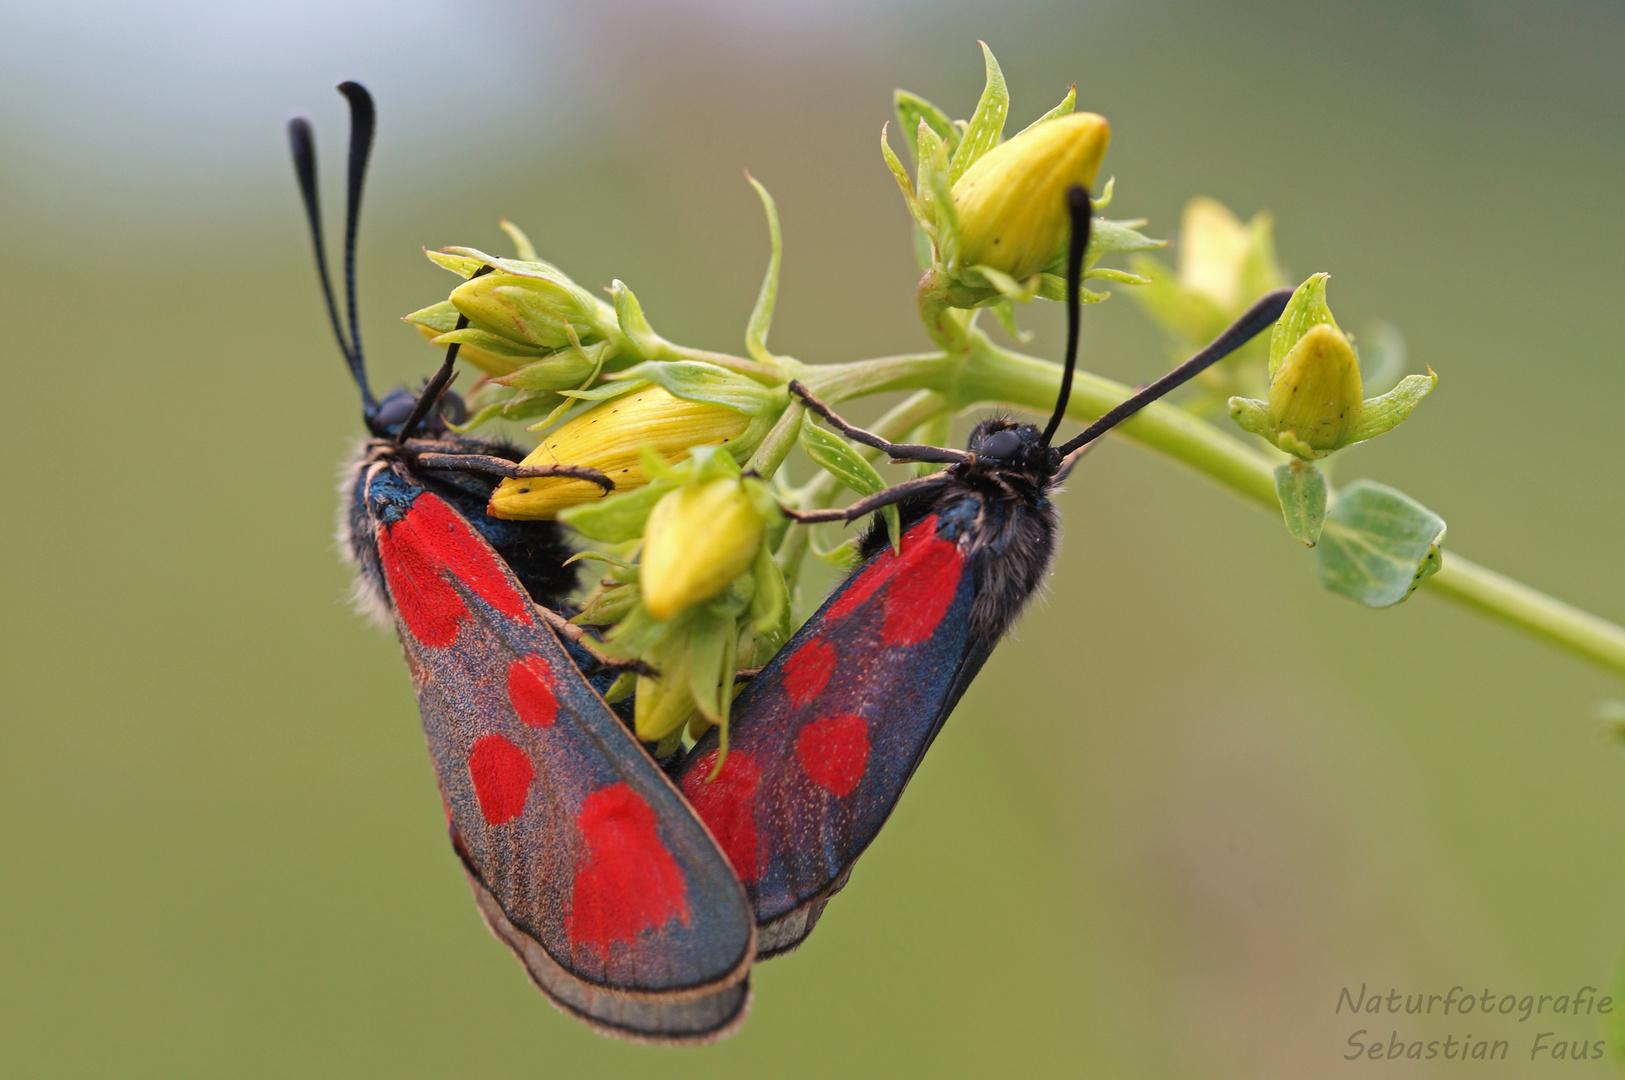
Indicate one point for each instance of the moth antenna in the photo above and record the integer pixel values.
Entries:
(302, 141)
(363, 123)
(440, 380)
(1082, 211)
(1265, 311)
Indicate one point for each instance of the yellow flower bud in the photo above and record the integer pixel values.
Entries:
(663, 705)
(1012, 201)
(1315, 392)
(609, 437)
(527, 310)
(697, 540)
(1212, 244)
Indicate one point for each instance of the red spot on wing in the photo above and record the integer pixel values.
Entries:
(626, 881)
(531, 692)
(922, 589)
(430, 609)
(808, 670)
(834, 752)
(727, 806)
(868, 580)
(502, 775)
(458, 549)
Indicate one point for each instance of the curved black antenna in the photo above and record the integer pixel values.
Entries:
(440, 380)
(1252, 321)
(1079, 206)
(303, 142)
(363, 122)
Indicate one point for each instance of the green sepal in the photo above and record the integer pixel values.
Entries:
(761, 316)
(696, 380)
(1301, 487)
(1380, 414)
(1066, 106)
(770, 603)
(986, 125)
(1253, 417)
(461, 265)
(1004, 311)
(904, 185)
(843, 556)
(629, 315)
(1378, 544)
(441, 318)
(518, 407)
(565, 369)
(1053, 287)
(1306, 308)
(521, 243)
(605, 391)
(912, 111)
(1003, 284)
(618, 518)
(930, 184)
(452, 258)
(922, 247)
(709, 641)
(1121, 277)
(621, 688)
(492, 343)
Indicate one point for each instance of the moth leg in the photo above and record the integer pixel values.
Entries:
(495, 466)
(744, 675)
(869, 504)
(572, 633)
(941, 455)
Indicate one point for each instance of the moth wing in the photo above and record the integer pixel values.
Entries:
(583, 857)
(824, 740)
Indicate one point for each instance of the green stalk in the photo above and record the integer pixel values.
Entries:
(991, 374)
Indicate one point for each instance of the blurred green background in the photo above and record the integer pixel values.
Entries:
(1190, 801)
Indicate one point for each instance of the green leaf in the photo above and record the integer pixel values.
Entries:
(461, 265)
(844, 463)
(1307, 308)
(1301, 487)
(986, 123)
(1381, 414)
(843, 556)
(912, 111)
(695, 380)
(761, 316)
(566, 369)
(943, 212)
(1378, 544)
(831, 453)
(922, 247)
(1005, 312)
(1066, 106)
(618, 518)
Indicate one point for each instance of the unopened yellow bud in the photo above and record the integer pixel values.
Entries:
(609, 437)
(698, 539)
(1012, 201)
(532, 311)
(663, 705)
(1212, 244)
(1315, 392)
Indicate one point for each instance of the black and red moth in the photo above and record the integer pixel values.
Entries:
(583, 857)
(824, 739)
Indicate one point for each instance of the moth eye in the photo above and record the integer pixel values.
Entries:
(394, 409)
(1004, 445)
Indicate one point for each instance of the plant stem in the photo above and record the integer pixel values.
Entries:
(990, 373)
